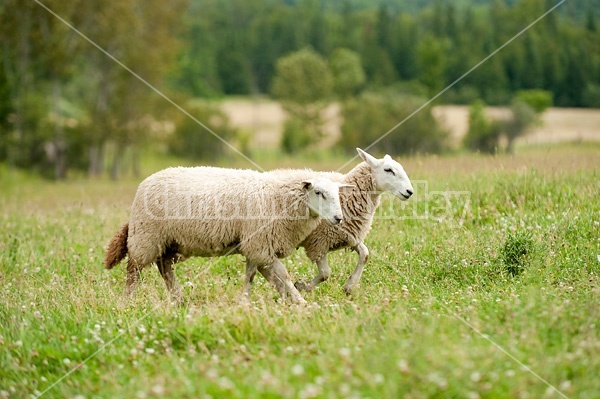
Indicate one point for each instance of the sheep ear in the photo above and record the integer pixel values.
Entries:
(368, 158)
(387, 157)
(308, 184)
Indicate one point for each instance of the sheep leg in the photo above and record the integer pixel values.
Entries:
(165, 267)
(269, 274)
(250, 273)
(278, 276)
(133, 276)
(323, 275)
(363, 255)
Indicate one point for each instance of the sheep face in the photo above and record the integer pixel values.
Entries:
(389, 175)
(324, 199)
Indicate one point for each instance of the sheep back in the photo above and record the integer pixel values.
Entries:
(209, 211)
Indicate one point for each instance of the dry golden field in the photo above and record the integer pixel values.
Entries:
(264, 119)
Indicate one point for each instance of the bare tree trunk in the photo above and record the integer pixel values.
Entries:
(99, 124)
(60, 143)
(21, 80)
(96, 159)
(135, 162)
(116, 162)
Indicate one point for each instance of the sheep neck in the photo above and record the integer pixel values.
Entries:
(362, 177)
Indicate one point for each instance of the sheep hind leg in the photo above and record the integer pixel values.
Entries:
(133, 277)
(323, 275)
(165, 267)
(278, 276)
(363, 255)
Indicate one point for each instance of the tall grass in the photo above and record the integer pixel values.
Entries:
(438, 312)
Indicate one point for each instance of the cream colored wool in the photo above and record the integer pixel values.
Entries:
(370, 179)
(207, 211)
(358, 207)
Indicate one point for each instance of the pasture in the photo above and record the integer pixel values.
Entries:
(484, 285)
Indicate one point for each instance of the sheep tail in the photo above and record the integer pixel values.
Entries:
(117, 248)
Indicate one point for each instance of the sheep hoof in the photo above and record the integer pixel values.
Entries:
(243, 300)
(302, 285)
(299, 301)
(348, 290)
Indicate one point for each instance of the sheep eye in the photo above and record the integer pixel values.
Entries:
(389, 170)
(320, 193)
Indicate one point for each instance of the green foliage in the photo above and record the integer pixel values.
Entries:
(434, 42)
(431, 62)
(192, 141)
(370, 115)
(302, 78)
(591, 95)
(483, 134)
(210, 48)
(522, 119)
(47, 65)
(303, 83)
(296, 136)
(538, 99)
(516, 251)
(347, 70)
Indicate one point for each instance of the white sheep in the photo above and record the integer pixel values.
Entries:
(207, 211)
(371, 178)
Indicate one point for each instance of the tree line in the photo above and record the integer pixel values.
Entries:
(64, 104)
(234, 45)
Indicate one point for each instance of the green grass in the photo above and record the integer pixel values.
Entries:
(438, 313)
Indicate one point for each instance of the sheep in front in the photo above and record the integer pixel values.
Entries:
(208, 211)
(371, 178)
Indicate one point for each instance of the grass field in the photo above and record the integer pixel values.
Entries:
(484, 285)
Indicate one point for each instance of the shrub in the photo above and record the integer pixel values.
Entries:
(539, 100)
(295, 136)
(516, 251)
(347, 70)
(370, 115)
(483, 134)
(303, 83)
(302, 78)
(193, 141)
(523, 118)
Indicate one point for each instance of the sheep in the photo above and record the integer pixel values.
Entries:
(371, 178)
(208, 211)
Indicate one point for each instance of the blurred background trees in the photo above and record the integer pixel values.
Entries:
(486, 134)
(69, 105)
(303, 83)
(64, 105)
(371, 114)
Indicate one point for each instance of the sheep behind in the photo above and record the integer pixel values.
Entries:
(371, 178)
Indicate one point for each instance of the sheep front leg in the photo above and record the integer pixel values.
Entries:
(323, 275)
(363, 255)
(278, 276)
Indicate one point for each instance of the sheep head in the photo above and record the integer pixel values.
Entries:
(389, 175)
(324, 199)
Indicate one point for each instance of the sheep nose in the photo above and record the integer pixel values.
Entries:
(410, 192)
(338, 219)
